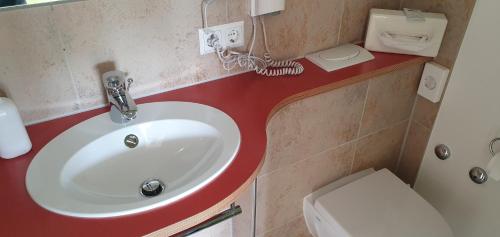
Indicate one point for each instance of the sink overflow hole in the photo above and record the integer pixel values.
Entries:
(131, 141)
(152, 187)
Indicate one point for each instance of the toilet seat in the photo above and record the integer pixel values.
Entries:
(376, 205)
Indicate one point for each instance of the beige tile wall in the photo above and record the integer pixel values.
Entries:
(317, 140)
(242, 224)
(411, 158)
(458, 13)
(32, 66)
(355, 19)
(52, 57)
(390, 99)
(294, 228)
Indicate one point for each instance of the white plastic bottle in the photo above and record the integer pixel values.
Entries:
(14, 140)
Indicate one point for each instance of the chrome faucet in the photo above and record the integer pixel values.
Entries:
(123, 107)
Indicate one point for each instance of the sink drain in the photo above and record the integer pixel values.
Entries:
(152, 187)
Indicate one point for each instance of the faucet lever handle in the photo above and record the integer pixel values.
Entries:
(129, 82)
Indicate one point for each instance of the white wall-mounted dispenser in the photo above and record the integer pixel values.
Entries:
(261, 7)
(14, 140)
(433, 81)
(406, 32)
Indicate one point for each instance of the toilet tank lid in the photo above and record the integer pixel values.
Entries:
(381, 205)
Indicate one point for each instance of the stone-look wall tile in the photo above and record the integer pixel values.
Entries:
(380, 150)
(295, 228)
(425, 112)
(148, 40)
(413, 153)
(320, 35)
(242, 224)
(356, 16)
(390, 99)
(304, 26)
(312, 125)
(280, 193)
(145, 38)
(32, 69)
(458, 13)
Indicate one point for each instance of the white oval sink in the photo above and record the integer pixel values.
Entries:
(88, 171)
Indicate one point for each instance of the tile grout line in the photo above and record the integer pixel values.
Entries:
(411, 119)
(355, 140)
(254, 207)
(407, 132)
(66, 61)
(341, 23)
(315, 155)
(359, 128)
(275, 228)
(364, 109)
(422, 125)
(353, 156)
(384, 128)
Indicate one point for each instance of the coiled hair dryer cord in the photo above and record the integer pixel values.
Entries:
(266, 66)
(277, 67)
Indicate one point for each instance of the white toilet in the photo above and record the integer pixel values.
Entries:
(372, 204)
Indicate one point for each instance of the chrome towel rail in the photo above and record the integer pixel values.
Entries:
(492, 151)
(233, 211)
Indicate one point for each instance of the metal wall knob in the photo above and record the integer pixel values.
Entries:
(478, 175)
(442, 151)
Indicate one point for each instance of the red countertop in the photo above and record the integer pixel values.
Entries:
(248, 98)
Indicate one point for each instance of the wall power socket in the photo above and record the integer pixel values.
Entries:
(230, 35)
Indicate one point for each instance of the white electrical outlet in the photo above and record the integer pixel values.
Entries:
(230, 35)
(433, 81)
